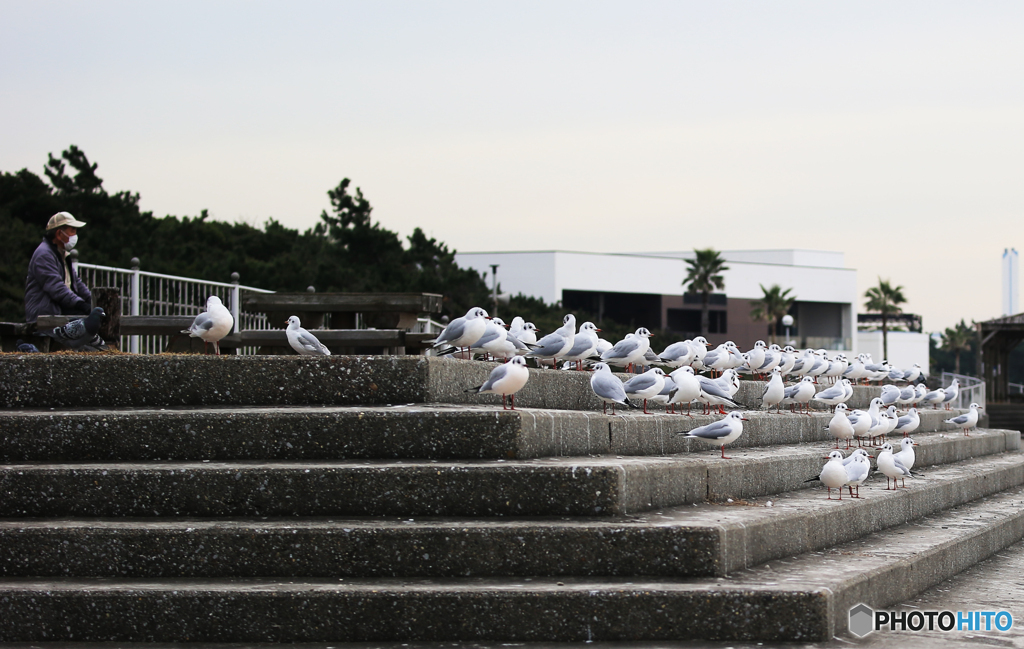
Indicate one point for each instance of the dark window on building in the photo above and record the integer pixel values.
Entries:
(688, 321)
(715, 299)
(631, 309)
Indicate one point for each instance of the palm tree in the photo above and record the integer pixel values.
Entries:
(703, 276)
(884, 299)
(958, 339)
(773, 305)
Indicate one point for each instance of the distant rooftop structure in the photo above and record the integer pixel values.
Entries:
(1011, 281)
(646, 289)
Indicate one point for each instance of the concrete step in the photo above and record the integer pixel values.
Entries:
(693, 541)
(434, 431)
(124, 380)
(805, 598)
(575, 486)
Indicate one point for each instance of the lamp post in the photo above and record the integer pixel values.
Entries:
(494, 288)
(787, 322)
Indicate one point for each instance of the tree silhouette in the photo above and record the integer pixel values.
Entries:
(703, 276)
(884, 299)
(774, 304)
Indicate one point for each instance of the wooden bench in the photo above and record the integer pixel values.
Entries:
(379, 310)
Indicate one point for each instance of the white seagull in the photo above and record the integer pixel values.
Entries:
(506, 380)
(722, 432)
(302, 341)
(212, 324)
(966, 421)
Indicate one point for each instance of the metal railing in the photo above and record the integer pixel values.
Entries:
(972, 389)
(145, 293)
(1015, 388)
(427, 326)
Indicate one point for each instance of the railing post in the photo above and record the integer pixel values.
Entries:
(236, 303)
(133, 344)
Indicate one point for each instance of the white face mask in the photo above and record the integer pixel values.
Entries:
(72, 240)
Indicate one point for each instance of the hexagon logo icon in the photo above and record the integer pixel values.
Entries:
(861, 620)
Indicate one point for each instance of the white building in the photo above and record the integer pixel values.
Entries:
(646, 289)
(1011, 286)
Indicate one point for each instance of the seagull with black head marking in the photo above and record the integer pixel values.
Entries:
(645, 386)
(629, 350)
(966, 421)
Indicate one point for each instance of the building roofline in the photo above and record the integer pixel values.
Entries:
(661, 256)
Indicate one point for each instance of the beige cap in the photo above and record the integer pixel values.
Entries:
(61, 219)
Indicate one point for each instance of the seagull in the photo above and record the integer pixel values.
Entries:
(81, 332)
(464, 331)
(629, 350)
(890, 395)
(645, 386)
(678, 354)
(212, 324)
(861, 422)
(891, 466)
(505, 379)
(755, 357)
(856, 371)
(908, 423)
(302, 341)
(967, 420)
(833, 475)
(839, 426)
(788, 360)
(557, 343)
(713, 393)
(907, 396)
(951, 392)
(836, 367)
(935, 397)
(525, 332)
(857, 471)
(722, 432)
(913, 373)
(663, 397)
(700, 348)
(584, 344)
(907, 456)
(774, 391)
(834, 395)
(608, 388)
(687, 388)
(800, 393)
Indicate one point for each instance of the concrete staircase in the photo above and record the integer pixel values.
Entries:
(287, 499)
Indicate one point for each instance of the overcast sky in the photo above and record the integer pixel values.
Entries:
(890, 131)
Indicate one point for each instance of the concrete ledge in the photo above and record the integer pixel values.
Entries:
(540, 488)
(373, 432)
(707, 540)
(802, 599)
(592, 486)
(120, 380)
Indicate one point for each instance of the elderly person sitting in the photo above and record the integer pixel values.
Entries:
(52, 287)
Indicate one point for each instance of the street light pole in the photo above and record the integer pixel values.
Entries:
(494, 289)
(787, 322)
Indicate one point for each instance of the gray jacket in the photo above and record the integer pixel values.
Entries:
(45, 290)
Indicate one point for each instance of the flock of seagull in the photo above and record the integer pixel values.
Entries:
(477, 333)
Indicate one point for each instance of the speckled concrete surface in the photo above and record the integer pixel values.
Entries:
(576, 486)
(77, 380)
(431, 431)
(795, 598)
(703, 540)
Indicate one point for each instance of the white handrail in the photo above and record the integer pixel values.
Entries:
(148, 293)
(971, 390)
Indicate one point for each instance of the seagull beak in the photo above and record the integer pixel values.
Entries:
(597, 330)
(744, 419)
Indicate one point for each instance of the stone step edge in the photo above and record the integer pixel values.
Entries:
(691, 544)
(748, 606)
(562, 486)
(427, 431)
